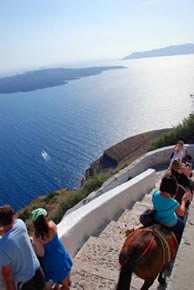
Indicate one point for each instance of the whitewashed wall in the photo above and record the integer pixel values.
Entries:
(76, 227)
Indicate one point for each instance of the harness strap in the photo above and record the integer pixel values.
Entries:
(168, 253)
(132, 236)
(165, 246)
(130, 240)
(146, 249)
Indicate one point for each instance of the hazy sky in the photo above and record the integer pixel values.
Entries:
(34, 33)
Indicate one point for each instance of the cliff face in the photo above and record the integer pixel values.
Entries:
(127, 150)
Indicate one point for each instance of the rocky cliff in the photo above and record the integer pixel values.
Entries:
(126, 151)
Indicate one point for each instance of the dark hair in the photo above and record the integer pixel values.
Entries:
(169, 184)
(6, 215)
(180, 142)
(41, 227)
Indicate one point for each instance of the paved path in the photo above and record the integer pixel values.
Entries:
(96, 264)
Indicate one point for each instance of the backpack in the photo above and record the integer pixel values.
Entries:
(147, 217)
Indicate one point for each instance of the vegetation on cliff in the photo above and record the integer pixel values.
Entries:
(57, 203)
(184, 131)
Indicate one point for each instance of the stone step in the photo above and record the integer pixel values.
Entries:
(131, 217)
(115, 232)
(89, 277)
(147, 198)
(96, 267)
(100, 253)
(141, 206)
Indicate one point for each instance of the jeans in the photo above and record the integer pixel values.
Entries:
(179, 227)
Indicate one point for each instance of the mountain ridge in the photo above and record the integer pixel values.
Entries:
(187, 48)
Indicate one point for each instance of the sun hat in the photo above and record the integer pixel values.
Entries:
(38, 212)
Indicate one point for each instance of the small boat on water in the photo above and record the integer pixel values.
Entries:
(44, 154)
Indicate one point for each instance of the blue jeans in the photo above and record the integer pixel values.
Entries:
(179, 227)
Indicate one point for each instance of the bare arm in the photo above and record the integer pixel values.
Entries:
(37, 246)
(181, 209)
(186, 170)
(51, 233)
(52, 227)
(8, 278)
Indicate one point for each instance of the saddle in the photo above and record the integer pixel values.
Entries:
(167, 240)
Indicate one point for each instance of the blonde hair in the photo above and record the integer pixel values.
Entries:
(176, 165)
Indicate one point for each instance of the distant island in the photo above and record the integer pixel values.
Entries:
(45, 78)
(187, 48)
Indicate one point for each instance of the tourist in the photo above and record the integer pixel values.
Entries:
(55, 261)
(180, 152)
(186, 157)
(167, 208)
(177, 153)
(183, 149)
(182, 172)
(19, 264)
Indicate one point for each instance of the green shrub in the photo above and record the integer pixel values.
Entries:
(76, 196)
(50, 196)
(183, 131)
(24, 215)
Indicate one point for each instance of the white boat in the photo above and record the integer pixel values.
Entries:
(44, 155)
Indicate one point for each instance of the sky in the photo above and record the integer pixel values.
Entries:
(40, 33)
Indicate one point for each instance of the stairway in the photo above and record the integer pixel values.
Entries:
(96, 264)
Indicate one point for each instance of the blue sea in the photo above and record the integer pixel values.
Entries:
(49, 137)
